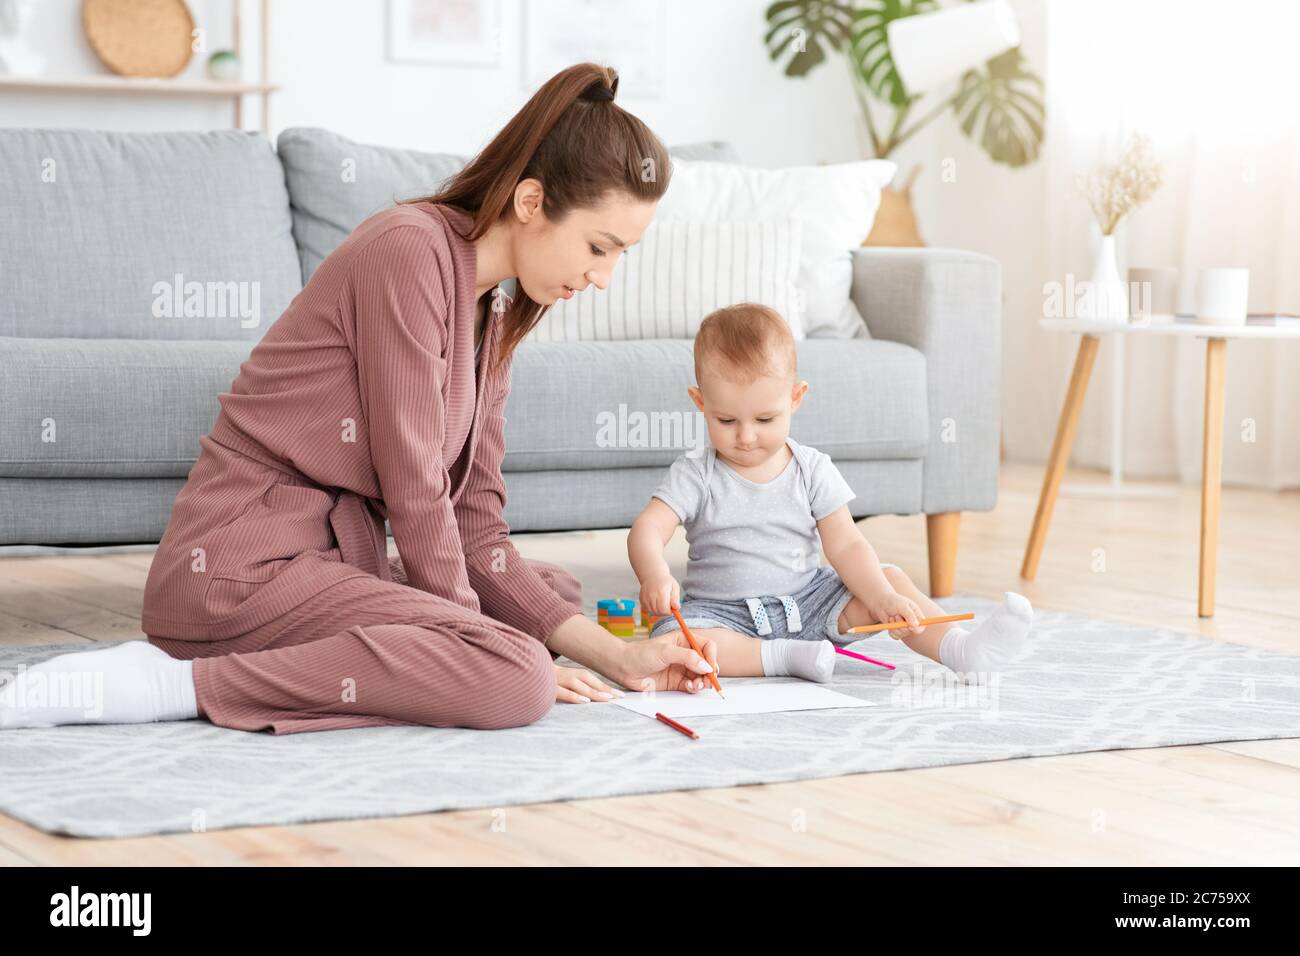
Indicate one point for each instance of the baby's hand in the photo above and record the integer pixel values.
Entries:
(658, 595)
(894, 607)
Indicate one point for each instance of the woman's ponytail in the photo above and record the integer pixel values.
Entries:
(579, 144)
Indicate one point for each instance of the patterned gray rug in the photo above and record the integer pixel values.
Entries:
(1087, 685)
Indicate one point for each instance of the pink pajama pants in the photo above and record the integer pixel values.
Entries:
(369, 652)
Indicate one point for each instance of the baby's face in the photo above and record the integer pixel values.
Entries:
(748, 422)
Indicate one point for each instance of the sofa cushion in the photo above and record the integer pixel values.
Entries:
(676, 274)
(117, 408)
(110, 408)
(335, 182)
(591, 405)
(836, 203)
(175, 235)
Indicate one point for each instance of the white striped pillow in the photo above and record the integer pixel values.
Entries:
(678, 273)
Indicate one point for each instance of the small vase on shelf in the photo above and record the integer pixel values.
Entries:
(223, 67)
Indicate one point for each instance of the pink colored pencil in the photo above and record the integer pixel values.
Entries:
(840, 650)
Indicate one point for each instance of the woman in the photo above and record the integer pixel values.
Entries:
(271, 602)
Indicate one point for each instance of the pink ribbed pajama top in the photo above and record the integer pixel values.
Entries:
(362, 402)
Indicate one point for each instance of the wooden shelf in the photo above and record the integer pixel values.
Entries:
(165, 86)
(133, 84)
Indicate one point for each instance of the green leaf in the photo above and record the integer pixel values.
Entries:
(803, 29)
(870, 45)
(999, 106)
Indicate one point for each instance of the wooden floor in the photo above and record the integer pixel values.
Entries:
(1233, 803)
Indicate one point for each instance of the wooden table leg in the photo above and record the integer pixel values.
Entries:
(1216, 351)
(941, 544)
(1060, 456)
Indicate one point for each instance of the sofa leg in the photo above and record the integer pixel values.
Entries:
(941, 541)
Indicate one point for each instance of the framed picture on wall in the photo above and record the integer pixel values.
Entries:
(446, 32)
(625, 34)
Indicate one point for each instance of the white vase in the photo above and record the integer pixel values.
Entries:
(15, 58)
(1109, 292)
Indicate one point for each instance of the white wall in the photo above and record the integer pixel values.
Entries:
(330, 57)
(999, 211)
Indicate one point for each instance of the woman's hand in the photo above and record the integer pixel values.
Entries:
(660, 594)
(576, 686)
(895, 607)
(667, 662)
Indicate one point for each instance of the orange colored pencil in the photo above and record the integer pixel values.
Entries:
(712, 675)
(676, 726)
(870, 628)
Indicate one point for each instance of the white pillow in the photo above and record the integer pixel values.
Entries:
(837, 205)
(679, 272)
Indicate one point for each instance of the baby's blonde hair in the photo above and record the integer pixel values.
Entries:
(743, 342)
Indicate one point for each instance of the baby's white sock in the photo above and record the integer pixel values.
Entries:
(135, 682)
(786, 657)
(999, 639)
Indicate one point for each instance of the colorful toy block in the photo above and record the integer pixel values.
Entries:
(617, 616)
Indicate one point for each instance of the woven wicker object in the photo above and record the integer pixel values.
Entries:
(140, 37)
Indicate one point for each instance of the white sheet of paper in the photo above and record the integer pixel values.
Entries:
(741, 699)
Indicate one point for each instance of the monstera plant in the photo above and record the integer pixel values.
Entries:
(997, 105)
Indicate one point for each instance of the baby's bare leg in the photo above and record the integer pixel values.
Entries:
(739, 655)
(927, 642)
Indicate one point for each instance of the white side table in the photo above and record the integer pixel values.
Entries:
(1216, 340)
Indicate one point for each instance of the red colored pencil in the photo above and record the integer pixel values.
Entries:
(676, 726)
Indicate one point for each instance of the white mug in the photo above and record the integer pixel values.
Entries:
(1221, 296)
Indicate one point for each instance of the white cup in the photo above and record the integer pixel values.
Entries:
(1221, 296)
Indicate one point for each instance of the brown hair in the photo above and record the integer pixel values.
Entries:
(580, 145)
(746, 341)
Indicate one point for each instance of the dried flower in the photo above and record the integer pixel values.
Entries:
(1115, 191)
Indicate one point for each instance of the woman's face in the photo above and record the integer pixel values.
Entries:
(581, 250)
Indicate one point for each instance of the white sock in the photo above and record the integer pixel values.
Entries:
(1001, 638)
(786, 657)
(135, 682)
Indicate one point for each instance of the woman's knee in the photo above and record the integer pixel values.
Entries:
(464, 672)
(537, 685)
(528, 687)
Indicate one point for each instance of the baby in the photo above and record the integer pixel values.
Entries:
(755, 503)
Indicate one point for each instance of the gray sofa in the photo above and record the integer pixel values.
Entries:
(137, 271)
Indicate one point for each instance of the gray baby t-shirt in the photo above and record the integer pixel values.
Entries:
(748, 539)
